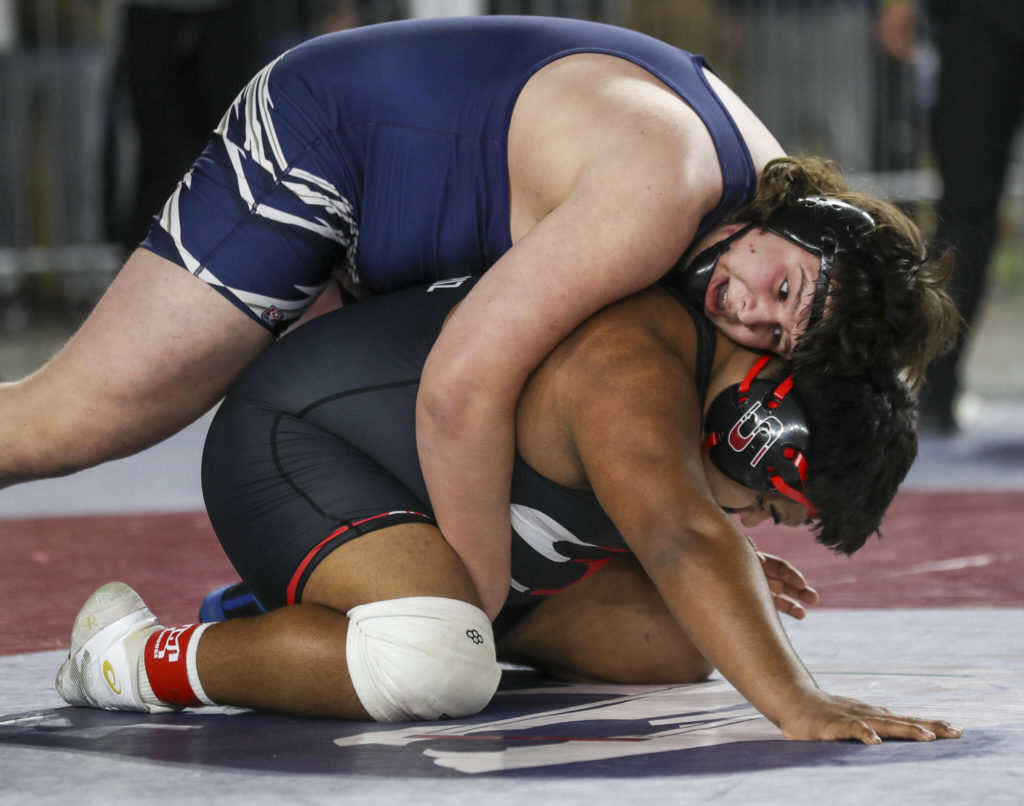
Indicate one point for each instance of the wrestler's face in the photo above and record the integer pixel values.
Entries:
(750, 506)
(761, 290)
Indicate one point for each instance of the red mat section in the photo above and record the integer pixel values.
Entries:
(939, 550)
(51, 565)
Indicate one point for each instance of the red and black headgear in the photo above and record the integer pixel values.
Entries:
(757, 435)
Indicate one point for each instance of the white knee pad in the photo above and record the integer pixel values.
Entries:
(422, 657)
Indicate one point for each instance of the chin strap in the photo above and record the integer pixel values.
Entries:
(744, 386)
(800, 463)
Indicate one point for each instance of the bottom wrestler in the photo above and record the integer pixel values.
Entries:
(624, 566)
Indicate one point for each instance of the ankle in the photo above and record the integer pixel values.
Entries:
(167, 670)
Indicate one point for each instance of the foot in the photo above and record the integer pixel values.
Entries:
(107, 641)
(228, 602)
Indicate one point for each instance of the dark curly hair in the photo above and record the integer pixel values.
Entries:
(863, 441)
(910, 323)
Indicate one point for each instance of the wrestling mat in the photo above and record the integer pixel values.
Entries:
(929, 619)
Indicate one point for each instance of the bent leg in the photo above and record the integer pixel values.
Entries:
(390, 629)
(293, 659)
(159, 349)
(611, 627)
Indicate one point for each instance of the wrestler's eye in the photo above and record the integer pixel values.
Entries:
(784, 290)
(777, 335)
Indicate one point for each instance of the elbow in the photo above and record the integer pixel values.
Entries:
(459, 398)
(693, 550)
(441, 405)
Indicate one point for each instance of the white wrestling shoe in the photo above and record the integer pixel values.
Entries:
(107, 641)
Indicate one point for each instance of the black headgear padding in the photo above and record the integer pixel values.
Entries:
(697, 274)
(757, 435)
(825, 227)
(822, 225)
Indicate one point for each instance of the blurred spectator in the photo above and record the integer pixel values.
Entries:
(697, 26)
(183, 61)
(978, 107)
(808, 73)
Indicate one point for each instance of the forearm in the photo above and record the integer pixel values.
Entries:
(467, 467)
(45, 434)
(23, 426)
(717, 591)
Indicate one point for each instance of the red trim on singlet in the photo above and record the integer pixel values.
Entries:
(593, 566)
(293, 585)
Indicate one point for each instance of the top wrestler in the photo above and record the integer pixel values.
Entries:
(572, 162)
(624, 566)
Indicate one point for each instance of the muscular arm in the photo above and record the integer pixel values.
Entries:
(159, 349)
(637, 441)
(604, 242)
(610, 174)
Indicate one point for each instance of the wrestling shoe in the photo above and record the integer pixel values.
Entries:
(231, 601)
(107, 641)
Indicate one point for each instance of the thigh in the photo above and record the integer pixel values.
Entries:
(282, 494)
(610, 627)
(407, 559)
(315, 444)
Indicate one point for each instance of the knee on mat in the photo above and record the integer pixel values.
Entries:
(421, 657)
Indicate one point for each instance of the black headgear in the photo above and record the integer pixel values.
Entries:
(757, 435)
(822, 225)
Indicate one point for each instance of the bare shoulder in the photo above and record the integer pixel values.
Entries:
(631, 328)
(592, 114)
(633, 417)
(631, 362)
(636, 355)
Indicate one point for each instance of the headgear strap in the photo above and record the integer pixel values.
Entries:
(826, 227)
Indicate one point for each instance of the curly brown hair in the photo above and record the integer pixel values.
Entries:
(910, 323)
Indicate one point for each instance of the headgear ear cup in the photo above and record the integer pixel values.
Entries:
(757, 435)
(697, 274)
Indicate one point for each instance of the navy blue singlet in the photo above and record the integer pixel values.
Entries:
(382, 151)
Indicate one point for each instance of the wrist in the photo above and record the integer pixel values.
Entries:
(791, 699)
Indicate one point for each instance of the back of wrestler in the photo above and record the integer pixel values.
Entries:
(380, 150)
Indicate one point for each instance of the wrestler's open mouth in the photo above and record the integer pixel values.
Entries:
(718, 293)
